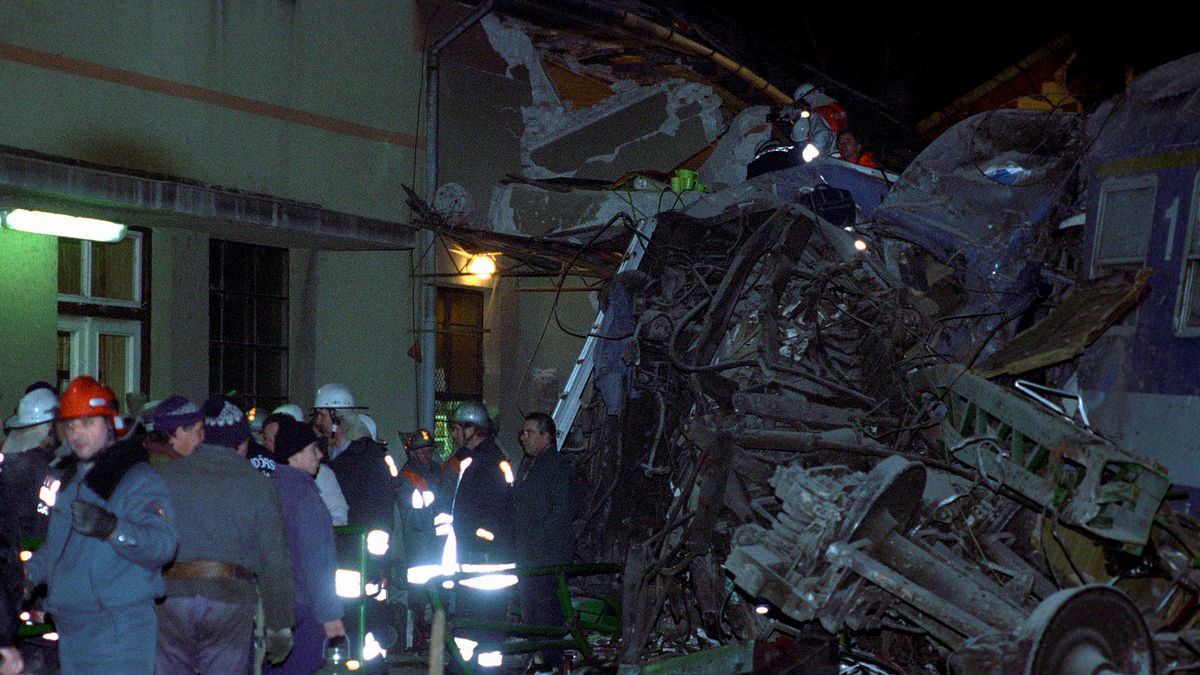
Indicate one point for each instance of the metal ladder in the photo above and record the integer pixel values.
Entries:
(571, 398)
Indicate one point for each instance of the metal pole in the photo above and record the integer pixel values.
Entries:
(425, 256)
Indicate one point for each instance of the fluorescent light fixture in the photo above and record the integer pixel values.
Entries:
(482, 266)
(60, 225)
(377, 542)
(348, 583)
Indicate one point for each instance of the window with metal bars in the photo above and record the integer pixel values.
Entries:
(248, 322)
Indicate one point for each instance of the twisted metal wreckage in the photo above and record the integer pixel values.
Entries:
(799, 453)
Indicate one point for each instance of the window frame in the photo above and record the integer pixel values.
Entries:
(85, 297)
(1189, 266)
(85, 334)
(445, 291)
(219, 344)
(74, 305)
(1097, 266)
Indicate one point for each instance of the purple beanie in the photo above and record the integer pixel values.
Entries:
(224, 423)
(176, 412)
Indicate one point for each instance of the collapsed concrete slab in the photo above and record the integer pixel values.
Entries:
(638, 127)
(737, 148)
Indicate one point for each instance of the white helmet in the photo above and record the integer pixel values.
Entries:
(334, 395)
(370, 425)
(291, 409)
(36, 407)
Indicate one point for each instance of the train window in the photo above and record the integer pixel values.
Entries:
(1123, 226)
(1187, 313)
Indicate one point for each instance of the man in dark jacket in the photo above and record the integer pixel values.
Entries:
(112, 528)
(483, 519)
(28, 452)
(545, 501)
(310, 538)
(232, 547)
(361, 464)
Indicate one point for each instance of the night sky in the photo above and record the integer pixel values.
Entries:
(910, 60)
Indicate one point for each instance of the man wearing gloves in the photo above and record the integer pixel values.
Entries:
(112, 528)
(231, 546)
(310, 540)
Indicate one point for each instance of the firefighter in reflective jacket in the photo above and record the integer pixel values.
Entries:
(424, 493)
(483, 530)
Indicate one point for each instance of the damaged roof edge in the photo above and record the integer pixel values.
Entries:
(44, 182)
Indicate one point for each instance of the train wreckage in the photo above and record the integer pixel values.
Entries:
(863, 425)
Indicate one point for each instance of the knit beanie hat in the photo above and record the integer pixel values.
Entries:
(291, 438)
(176, 412)
(224, 423)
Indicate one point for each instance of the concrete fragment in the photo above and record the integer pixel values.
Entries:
(638, 127)
(736, 149)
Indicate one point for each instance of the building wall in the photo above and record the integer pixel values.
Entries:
(363, 333)
(178, 314)
(28, 305)
(310, 101)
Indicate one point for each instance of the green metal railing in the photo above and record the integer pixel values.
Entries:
(595, 616)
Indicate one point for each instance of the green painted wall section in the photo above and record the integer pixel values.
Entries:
(362, 329)
(352, 60)
(178, 314)
(28, 310)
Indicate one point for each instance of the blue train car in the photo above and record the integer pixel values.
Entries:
(1141, 380)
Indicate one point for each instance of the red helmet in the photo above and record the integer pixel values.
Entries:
(85, 397)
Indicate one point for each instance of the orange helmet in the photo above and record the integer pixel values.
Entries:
(85, 397)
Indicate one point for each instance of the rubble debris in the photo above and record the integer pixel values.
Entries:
(1070, 327)
(736, 148)
(980, 200)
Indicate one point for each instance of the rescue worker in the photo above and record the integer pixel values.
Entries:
(28, 452)
(425, 493)
(482, 521)
(310, 538)
(851, 150)
(112, 528)
(327, 484)
(232, 547)
(363, 469)
(544, 494)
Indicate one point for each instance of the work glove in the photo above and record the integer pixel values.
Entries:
(91, 520)
(279, 644)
